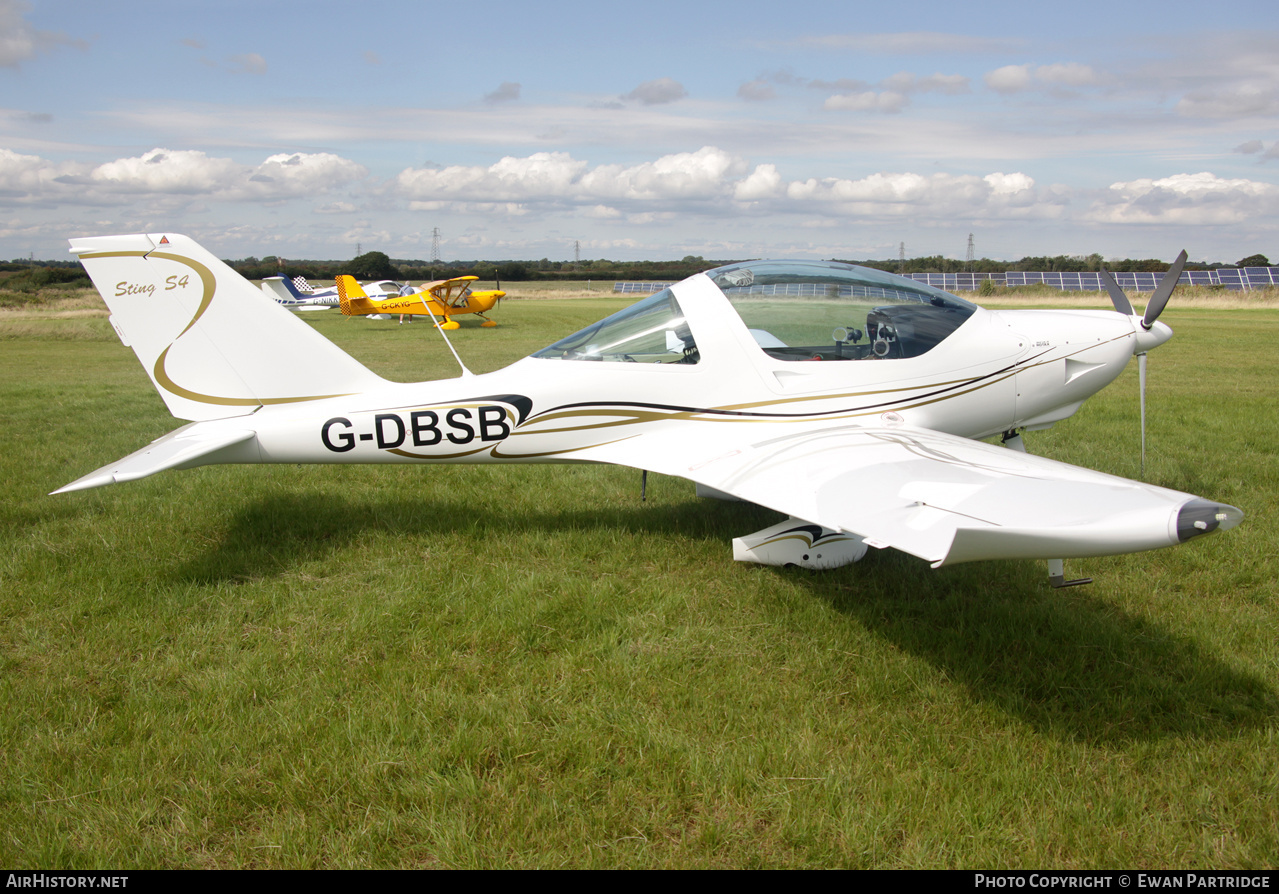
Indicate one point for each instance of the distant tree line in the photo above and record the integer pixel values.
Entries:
(28, 276)
(24, 264)
(377, 265)
(22, 274)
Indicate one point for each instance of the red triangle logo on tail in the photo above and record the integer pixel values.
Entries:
(164, 240)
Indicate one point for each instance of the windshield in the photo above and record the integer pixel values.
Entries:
(652, 331)
(815, 310)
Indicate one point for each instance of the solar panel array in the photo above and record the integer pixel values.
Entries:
(1231, 278)
(955, 282)
(642, 288)
(1240, 278)
(1235, 279)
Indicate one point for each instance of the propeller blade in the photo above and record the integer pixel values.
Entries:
(1117, 296)
(1163, 291)
(1141, 384)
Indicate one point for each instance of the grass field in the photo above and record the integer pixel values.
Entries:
(525, 666)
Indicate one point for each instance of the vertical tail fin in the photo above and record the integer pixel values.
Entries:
(282, 290)
(211, 342)
(351, 296)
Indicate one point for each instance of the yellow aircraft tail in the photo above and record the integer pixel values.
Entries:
(351, 298)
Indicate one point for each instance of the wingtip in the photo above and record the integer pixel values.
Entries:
(1197, 517)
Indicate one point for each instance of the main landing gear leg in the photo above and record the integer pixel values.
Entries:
(1012, 440)
(1057, 576)
(1056, 568)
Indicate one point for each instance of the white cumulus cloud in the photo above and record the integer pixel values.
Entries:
(937, 195)
(1009, 79)
(302, 174)
(541, 175)
(167, 172)
(185, 171)
(701, 174)
(763, 183)
(29, 177)
(1009, 184)
(558, 177)
(1202, 198)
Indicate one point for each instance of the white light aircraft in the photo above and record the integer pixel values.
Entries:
(286, 292)
(846, 398)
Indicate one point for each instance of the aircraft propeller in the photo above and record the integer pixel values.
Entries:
(1163, 291)
(1158, 301)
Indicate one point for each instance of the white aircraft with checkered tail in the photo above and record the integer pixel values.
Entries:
(848, 399)
(298, 294)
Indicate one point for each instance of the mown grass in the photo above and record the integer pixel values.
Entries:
(526, 666)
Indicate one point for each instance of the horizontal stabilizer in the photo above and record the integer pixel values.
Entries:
(181, 447)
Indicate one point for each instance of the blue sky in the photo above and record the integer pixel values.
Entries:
(654, 130)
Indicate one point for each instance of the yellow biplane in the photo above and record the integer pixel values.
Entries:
(444, 298)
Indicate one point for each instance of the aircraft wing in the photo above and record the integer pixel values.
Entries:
(447, 289)
(943, 498)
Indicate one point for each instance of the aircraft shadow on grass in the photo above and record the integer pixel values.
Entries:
(1009, 643)
(1075, 667)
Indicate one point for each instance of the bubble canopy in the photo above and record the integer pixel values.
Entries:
(795, 310)
(824, 310)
